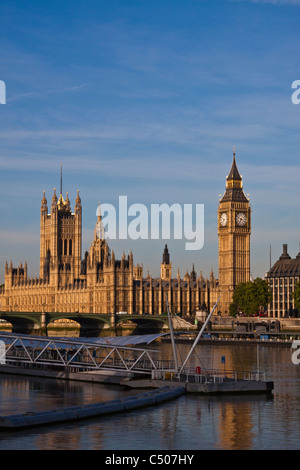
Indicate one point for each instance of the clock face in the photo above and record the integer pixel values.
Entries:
(223, 219)
(241, 219)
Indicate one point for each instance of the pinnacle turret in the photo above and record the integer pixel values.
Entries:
(234, 186)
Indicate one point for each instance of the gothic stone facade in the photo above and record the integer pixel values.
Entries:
(99, 283)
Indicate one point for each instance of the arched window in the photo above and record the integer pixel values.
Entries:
(65, 247)
(70, 247)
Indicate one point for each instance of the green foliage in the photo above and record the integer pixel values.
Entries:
(250, 297)
(296, 296)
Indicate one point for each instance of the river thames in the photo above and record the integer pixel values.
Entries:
(188, 422)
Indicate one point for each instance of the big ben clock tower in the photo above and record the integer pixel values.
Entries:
(234, 228)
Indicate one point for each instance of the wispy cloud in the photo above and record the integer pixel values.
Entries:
(151, 104)
(40, 93)
(13, 237)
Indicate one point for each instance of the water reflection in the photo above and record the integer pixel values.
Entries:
(22, 394)
(189, 422)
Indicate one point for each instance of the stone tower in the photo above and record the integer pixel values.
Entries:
(234, 228)
(60, 240)
(166, 266)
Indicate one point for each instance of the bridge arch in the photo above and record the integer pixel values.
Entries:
(143, 323)
(25, 323)
(62, 327)
(85, 324)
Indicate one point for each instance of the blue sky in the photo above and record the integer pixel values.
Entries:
(147, 99)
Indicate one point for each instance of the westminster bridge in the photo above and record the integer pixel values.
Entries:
(89, 324)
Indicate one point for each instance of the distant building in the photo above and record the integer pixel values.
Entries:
(99, 283)
(282, 278)
(234, 229)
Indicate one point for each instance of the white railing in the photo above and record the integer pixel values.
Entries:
(213, 376)
(44, 351)
(68, 353)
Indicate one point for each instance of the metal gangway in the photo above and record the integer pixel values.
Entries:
(80, 354)
(88, 354)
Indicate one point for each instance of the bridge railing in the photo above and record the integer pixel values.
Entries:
(44, 351)
(208, 376)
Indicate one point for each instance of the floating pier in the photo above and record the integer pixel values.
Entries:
(119, 360)
(150, 398)
(207, 386)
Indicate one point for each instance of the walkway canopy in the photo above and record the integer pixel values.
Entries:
(116, 353)
(118, 341)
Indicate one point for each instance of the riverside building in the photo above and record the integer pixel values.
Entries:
(282, 278)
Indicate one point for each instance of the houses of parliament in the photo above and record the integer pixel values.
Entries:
(97, 282)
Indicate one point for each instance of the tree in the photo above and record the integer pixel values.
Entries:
(250, 297)
(296, 296)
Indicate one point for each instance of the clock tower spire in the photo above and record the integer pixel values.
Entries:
(234, 229)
